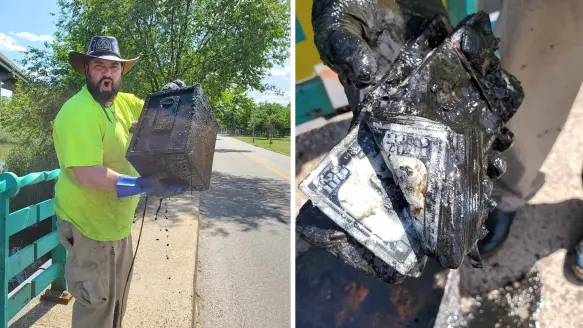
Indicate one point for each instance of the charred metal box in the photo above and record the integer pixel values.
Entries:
(176, 135)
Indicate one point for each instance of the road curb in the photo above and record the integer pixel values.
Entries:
(195, 323)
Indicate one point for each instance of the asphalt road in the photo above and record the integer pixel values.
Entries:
(244, 246)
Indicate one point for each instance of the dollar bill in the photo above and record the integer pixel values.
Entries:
(355, 189)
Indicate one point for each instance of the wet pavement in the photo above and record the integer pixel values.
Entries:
(329, 293)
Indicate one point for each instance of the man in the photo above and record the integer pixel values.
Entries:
(97, 192)
(540, 45)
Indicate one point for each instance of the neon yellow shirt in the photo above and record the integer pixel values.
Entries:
(84, 136)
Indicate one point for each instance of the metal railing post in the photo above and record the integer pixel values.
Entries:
(59, 255)
(4, 211)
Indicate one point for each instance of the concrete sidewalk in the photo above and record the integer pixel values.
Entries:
(162, 289)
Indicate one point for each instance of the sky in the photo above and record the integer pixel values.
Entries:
(27, 23)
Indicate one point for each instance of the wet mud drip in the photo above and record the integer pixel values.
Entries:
(158, 210)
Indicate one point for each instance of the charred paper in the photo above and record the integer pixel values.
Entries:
(354, 188)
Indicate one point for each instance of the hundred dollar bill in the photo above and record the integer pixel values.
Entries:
(440, 174)
(355, 189)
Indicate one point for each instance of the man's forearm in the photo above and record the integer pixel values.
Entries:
(96, 177)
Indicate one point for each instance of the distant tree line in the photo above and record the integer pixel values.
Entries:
(237, 111)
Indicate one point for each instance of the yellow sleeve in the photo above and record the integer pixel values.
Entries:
(78, 138)
(137, 106)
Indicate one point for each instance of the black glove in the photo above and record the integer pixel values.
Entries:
(358, 39)
(461, 88)
(454, 103)
(316, 228)
(160, 185)
(174, 85)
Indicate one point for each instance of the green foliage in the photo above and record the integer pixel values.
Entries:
(236, 109)
(270, 116)
(6, 137)
(219, 44)
(227, 45)
(234, 105)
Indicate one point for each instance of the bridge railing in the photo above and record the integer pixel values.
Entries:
(10, 224)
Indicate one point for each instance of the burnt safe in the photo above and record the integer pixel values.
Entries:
(176, 135)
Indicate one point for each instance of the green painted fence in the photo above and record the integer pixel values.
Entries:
(11, 223)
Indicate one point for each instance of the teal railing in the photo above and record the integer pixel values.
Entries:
(11, 223)
(459, 9)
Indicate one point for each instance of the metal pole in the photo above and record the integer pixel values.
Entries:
(253, 120)
(4, 212)
(233, 122)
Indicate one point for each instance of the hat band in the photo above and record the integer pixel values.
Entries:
(104, 52)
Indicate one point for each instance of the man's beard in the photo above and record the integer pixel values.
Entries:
(103, 97)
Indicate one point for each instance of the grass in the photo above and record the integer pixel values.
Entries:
(280, 145)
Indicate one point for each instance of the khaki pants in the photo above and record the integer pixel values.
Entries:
(96, 273)
(541, 45)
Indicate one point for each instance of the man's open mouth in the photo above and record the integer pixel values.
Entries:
(107, 84)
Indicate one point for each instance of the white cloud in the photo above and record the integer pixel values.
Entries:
(8, 43)
(280, 71)
(269, 97)
(279, 77)
(33, 37)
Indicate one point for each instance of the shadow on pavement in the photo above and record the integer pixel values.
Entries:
(249, 201)
(538, 230)
(34, 314)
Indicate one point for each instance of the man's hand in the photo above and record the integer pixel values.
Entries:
(160, 185)
(174, 85)
(359, 39)
(462, 88)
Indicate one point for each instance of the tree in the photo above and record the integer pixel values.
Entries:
(226, 45)
(271, 116)
(234, 102)
(216, 43)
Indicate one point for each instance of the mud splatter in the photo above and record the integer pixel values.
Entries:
(355, 294)
(516, 305)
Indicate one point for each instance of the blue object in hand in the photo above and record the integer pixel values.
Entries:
(128, 186)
